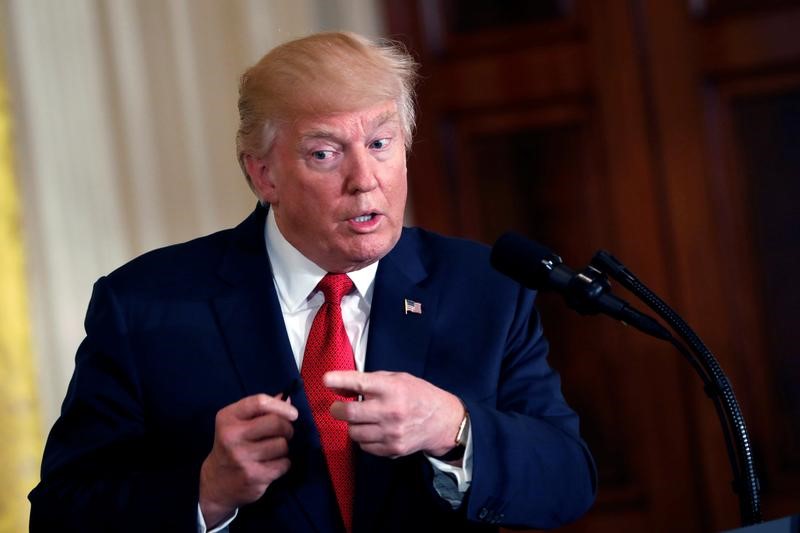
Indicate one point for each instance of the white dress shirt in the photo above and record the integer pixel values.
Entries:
(296, 279)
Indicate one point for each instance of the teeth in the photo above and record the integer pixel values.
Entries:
(363, 218)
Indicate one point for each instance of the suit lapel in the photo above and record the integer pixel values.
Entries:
(251, 321)
(249, 314)
(398, 341)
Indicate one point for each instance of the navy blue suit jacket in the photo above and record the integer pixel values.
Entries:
(179, 333)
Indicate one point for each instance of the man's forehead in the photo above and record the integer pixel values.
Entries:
(345, 123)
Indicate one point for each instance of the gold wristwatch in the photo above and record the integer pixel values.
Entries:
(460, 441)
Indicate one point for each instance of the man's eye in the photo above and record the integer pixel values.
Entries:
(379, 144)
(322, 155)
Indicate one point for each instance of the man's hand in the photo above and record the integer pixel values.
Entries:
(251, 448)
(400, 414)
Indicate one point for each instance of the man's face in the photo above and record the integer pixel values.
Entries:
(337, 185)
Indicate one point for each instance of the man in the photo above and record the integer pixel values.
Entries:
(317, 368)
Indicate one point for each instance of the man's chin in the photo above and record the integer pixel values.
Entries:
(365, 256)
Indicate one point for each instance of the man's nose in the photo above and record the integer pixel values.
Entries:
(362, 172)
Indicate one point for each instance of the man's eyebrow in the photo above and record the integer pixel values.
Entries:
(383, 118)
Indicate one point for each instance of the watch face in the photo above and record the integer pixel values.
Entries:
(463, 430)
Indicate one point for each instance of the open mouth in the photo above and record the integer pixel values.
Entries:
(366, 223)
(364, 218)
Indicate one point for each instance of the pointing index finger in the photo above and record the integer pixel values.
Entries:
(352, 383)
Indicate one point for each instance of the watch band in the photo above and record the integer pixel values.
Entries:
(460, 442)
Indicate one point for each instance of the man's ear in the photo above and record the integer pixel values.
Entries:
(260, 176)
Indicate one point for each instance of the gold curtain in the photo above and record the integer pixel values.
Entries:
(20, 431)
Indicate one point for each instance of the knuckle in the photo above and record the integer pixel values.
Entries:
(277, 468)
(283, 465)
(236, 460)
(261, 401)
(394, 413)
(225, 439)
(349, 410)
(371, 449)
(401, 377)
(251, 477)
(269, 422)
(276, 448)
(395, 450)
(404, 447)
(394, 433)
(283, 448)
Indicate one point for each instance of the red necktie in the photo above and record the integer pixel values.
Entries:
(328, 348)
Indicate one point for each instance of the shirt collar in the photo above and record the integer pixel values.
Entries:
(296, 276)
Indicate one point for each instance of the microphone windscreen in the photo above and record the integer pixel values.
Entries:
(522, 259)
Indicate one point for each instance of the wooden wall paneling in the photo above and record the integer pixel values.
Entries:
(745, 158)
(575, 103)
(674, 77)
(430, 193)
(535, 171)
(754, 60)
(503, 167)
(586, 123)
(737, 44)
(715, 9)
(453, 82)
(727, 192)
(638, 219)
(469, 27)
(557, 71)
(684, 57)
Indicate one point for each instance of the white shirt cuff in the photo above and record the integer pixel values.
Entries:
(221, 528)
(462, 473)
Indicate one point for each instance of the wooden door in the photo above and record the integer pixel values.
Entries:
(667, 132)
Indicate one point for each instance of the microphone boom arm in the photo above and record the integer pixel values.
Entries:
(717, 386)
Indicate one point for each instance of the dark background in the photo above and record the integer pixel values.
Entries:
(668, 132)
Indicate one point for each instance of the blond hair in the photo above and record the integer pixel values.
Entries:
(323, 73)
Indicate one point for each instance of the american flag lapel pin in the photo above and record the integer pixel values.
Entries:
(412, 307)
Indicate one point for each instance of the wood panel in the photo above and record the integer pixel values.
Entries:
(506, 78)
(709, 200)
(716, 9)
(736, 45)
(627, 126)
(755, 163)
(459, 28)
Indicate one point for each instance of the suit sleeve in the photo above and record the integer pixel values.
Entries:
(100, 472)
(530, 466)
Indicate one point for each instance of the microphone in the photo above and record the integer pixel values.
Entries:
(587, 292)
